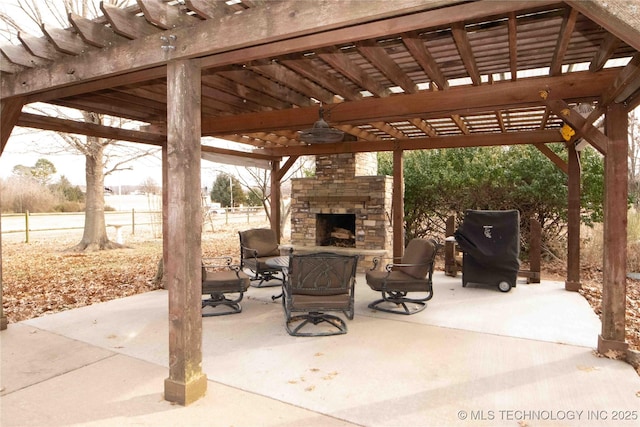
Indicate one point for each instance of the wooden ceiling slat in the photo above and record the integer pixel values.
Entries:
(426, 61)
(286, 76)
(625, 83)
(564, 37)
(424, 126)
(378, 56)
(607, 18)
(165, 16)
(19, 55)
(460, 123)
(524, 92)
(93, 33)
(7, 66)
(357, 132)
(222, 101)
(65, 41)
(466, 53)
(353, 72)
(127, 24)
(306, 69)
(245, 93)
(390, 130)
(513, 45)
(213, 10)
(272, 88)
(40, 47)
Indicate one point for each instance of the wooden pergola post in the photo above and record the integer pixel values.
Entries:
(186, 382)
(614, 280)
(397, 203)
(573, 220)
(275, 198)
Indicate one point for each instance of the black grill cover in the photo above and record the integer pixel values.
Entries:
(492, 238)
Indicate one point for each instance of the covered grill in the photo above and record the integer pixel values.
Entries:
(490, 242)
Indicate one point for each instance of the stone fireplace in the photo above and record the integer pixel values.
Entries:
(345, 208)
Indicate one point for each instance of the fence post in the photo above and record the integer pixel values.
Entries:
(26, 226)
(450, 267)
(133, 222)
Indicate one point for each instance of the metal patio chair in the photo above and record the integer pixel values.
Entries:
(220, 279)
(317, 284)
(407, 285)
(257, 245)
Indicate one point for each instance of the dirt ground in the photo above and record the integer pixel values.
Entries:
(40, 278)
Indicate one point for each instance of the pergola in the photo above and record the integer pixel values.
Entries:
(393, 75)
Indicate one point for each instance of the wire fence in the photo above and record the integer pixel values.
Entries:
(120, 223)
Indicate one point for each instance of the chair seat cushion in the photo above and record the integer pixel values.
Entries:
(397, 281)
(224, 281)
(259, 264)
(319, 302)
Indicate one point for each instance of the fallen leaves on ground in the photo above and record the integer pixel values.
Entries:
(40, 277)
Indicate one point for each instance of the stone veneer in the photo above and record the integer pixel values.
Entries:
(344, 184)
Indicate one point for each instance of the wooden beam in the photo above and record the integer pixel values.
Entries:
(93, 33)
(506, 94)
(9, 113)
(625, 84)
(19, 55)
(551, 155)
(214, 10)
(466, 53)
(614, 280)
(228, 42)
(423, 57)
(285, 168)
(40, 47)
(379, 57)
(397, 204)
(66, 41)
(573, 221)
(162, 15)
(591, 134)
(566, 30)
(90, 129)
(127, 24)
(458, 141)
(183, 269)
(606, 50)
(275, 212)
(513, 45)
(602, 14)
(279, 73)
(305, 68)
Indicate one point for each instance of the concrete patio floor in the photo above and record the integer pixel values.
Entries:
(475, 356)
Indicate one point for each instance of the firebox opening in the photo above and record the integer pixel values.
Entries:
(336, 230)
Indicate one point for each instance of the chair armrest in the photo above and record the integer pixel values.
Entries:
(391, 266)
(220, 263)
(253, 251)
(377, 261)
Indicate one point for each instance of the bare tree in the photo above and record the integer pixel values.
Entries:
(258, 182)
(99, 153)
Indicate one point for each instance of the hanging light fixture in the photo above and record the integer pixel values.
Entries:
(321, 132)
